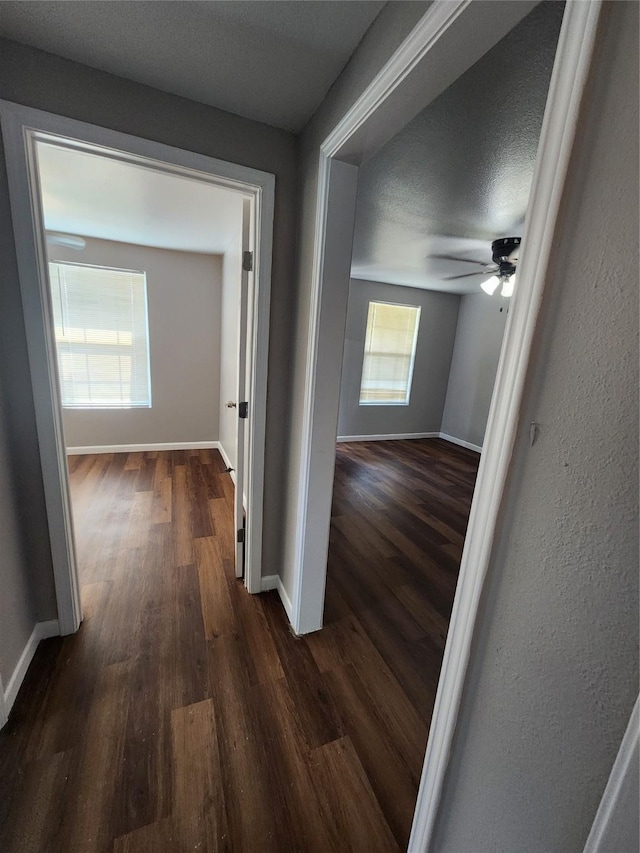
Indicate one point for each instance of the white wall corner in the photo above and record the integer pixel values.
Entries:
(41, 631)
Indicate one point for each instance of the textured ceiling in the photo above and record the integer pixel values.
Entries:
(95, 196)
(458, 175)
(272, 61)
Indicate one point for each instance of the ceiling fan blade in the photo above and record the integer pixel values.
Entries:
(469, 274)
(459, 260)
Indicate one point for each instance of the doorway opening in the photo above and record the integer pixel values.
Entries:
(414, 78)
(148, 297)
(421, 351)
(143, 328)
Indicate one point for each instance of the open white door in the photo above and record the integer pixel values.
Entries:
(243, 403)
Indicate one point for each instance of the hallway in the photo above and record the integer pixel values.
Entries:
(185, 715)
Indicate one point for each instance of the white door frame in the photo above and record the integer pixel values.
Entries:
(448, 39)
(240, 499)
(4, 716)
(21, 128)
(621, 787)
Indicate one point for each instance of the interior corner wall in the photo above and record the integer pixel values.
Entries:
(41, 80)
(230, 316)
(481, 324)
(436, 334)
(183, 299)
(390, 28)
(553, 672)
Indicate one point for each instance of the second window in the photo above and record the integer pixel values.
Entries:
(389, 353)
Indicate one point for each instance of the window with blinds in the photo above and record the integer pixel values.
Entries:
(102, 336)
(389, 353)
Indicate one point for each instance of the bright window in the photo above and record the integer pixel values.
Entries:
(389, 353)
(102, 336)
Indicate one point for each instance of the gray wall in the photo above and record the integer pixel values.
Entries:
(474, 364)
(47, 82)
(231, 277)
(17, 602)
(183, 297)
(436, 335)
(554, 668)
(384, 36)
(27, 593)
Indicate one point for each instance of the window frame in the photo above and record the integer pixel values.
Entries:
(414, 348)
(102, 408)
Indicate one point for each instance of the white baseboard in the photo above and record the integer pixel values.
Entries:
(391, 437)
(41, 631)
(461, 442)
(401, 436)
(141, 448)
(227, 462)
(269, 582)
(275, 582)
(286, 601)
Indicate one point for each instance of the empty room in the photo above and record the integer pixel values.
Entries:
(439, 214)
(144, 273)
(318, 394)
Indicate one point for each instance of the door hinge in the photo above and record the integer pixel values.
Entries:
(241, 536)
(247, 261)
(243, 410)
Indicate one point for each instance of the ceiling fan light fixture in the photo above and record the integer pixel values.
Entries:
(491, 285)
(507, 286)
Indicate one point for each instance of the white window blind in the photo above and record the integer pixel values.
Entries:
(102, 338)
(389, 353)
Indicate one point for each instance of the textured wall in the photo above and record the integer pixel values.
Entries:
(554, 669)
(436, 334)
(481, 322)
(458, 169)
(183, 297)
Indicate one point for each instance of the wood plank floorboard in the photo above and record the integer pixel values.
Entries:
(184, 715)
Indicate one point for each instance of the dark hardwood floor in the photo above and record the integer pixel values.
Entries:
(184, 715)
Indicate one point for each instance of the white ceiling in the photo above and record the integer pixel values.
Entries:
(459, 175)
(94, 196)
(272, 61)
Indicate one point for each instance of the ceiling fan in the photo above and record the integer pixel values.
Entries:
(505, 253)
